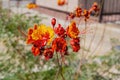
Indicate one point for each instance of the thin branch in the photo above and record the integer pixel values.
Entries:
(60, 69)
(23, 33)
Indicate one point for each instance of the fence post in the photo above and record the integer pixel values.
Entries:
(101, 10)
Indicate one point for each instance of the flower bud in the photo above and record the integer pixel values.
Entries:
(53, 22)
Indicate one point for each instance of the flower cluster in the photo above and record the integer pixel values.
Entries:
(60, 42)
(78, 12)
(47, 40)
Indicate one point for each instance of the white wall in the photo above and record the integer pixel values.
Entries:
(53, 4)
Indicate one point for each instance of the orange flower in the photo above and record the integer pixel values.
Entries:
(86, 14)
(35, 51)
(75, 44)
(31, 5)
(29, 38)
(76, 47)
(72, 30)
(48, 53)
(78, 12)
(94, 8)
(40, 33)
(71, 15)
(61, 2)
(59, 45)
(39, 36)
(60, 31)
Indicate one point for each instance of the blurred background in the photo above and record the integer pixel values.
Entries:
(102, 45)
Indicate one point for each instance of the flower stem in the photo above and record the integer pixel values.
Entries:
(60, 68)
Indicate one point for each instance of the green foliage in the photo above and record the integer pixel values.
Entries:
(9, 22)
(15, 57)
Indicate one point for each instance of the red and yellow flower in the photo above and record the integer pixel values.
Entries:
(60, 31)
(35, 50)
(75, 44)
(78, 12)
(41, 32)
(72, 30)
(86, 14)
(48, 53)
(71, 16)
(59, 45)
(39, 36)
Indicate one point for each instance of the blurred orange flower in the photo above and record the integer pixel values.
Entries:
(72, 30)
(31, 5)
(86, 14)
(94, 7)
(61, 2)
(78, 12)
(71, 16)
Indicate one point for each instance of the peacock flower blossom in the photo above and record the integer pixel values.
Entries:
(94, 7)
(29, 37)
(72, 30)
(59, 45)
(35, 50)
(71, 16)
(31, 5)
(60, 31)
(48, 53)
(43, 32)
(76, 47)
(78, 12)
(75, 44)
(39, 36)
(86, 14)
